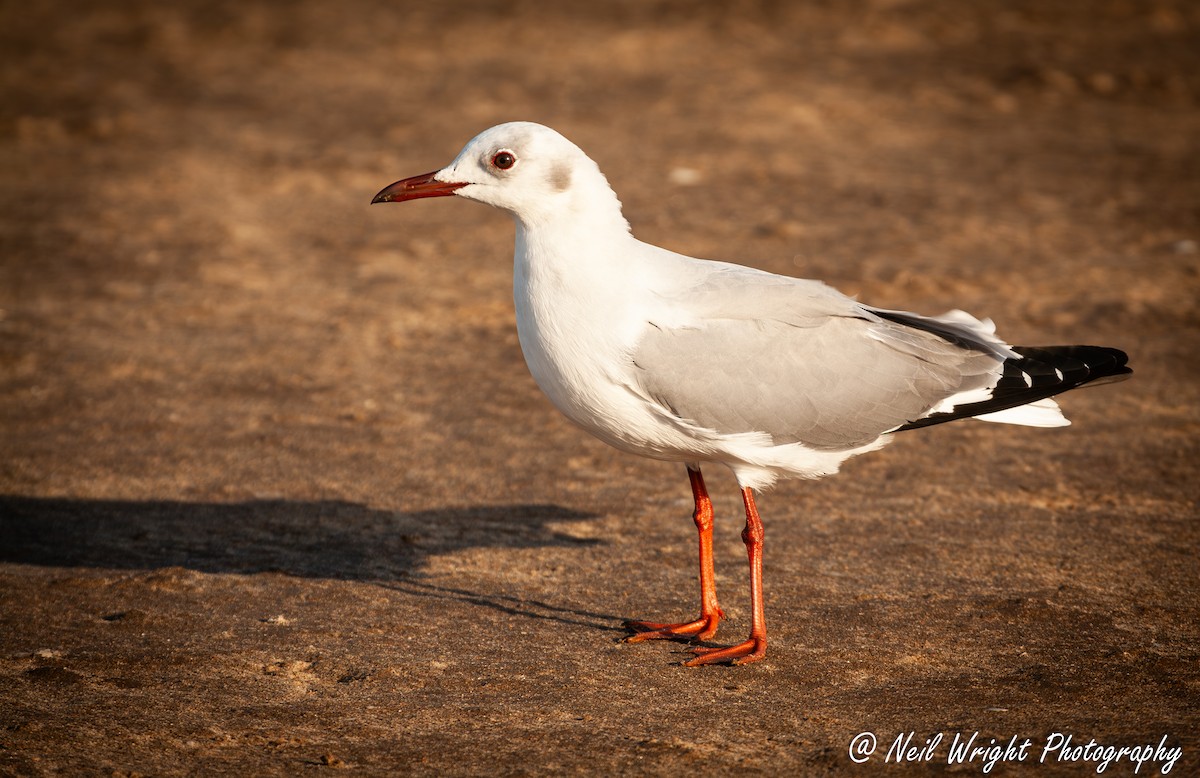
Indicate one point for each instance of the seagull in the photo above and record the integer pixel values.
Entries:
(697, 361)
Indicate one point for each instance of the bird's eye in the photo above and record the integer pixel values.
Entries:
(504, 160)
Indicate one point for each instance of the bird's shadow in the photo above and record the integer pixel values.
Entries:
(310, 539)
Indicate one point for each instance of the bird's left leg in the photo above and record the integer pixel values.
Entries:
(711, 614)
(754, 647)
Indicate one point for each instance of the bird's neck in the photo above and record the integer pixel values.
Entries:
(580, 257)
(590, 208)
(576, 238)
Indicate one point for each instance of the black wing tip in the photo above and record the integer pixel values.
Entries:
(1100, 361)
(1041, 372)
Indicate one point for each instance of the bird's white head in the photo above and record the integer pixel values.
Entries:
(527, 169)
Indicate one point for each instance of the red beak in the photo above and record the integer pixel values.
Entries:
(415, 188)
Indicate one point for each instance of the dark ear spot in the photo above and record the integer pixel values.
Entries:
(560, 177)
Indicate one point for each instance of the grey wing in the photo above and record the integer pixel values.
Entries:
(829, 381)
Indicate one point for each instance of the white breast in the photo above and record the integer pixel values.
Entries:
(578, 316)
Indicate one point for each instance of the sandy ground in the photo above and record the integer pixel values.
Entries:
(279, 495)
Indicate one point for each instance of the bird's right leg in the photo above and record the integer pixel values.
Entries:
(711, 614)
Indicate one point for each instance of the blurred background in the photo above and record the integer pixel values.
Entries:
(187, 243)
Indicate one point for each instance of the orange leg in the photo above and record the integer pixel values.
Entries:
(755, 647)
(711, 614)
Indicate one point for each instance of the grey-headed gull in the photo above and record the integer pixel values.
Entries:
(695, 361)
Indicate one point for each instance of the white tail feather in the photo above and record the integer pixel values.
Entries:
(1042, 413)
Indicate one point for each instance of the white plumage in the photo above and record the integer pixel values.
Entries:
(697, 361)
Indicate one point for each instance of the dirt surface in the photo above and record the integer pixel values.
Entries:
(280, 497)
